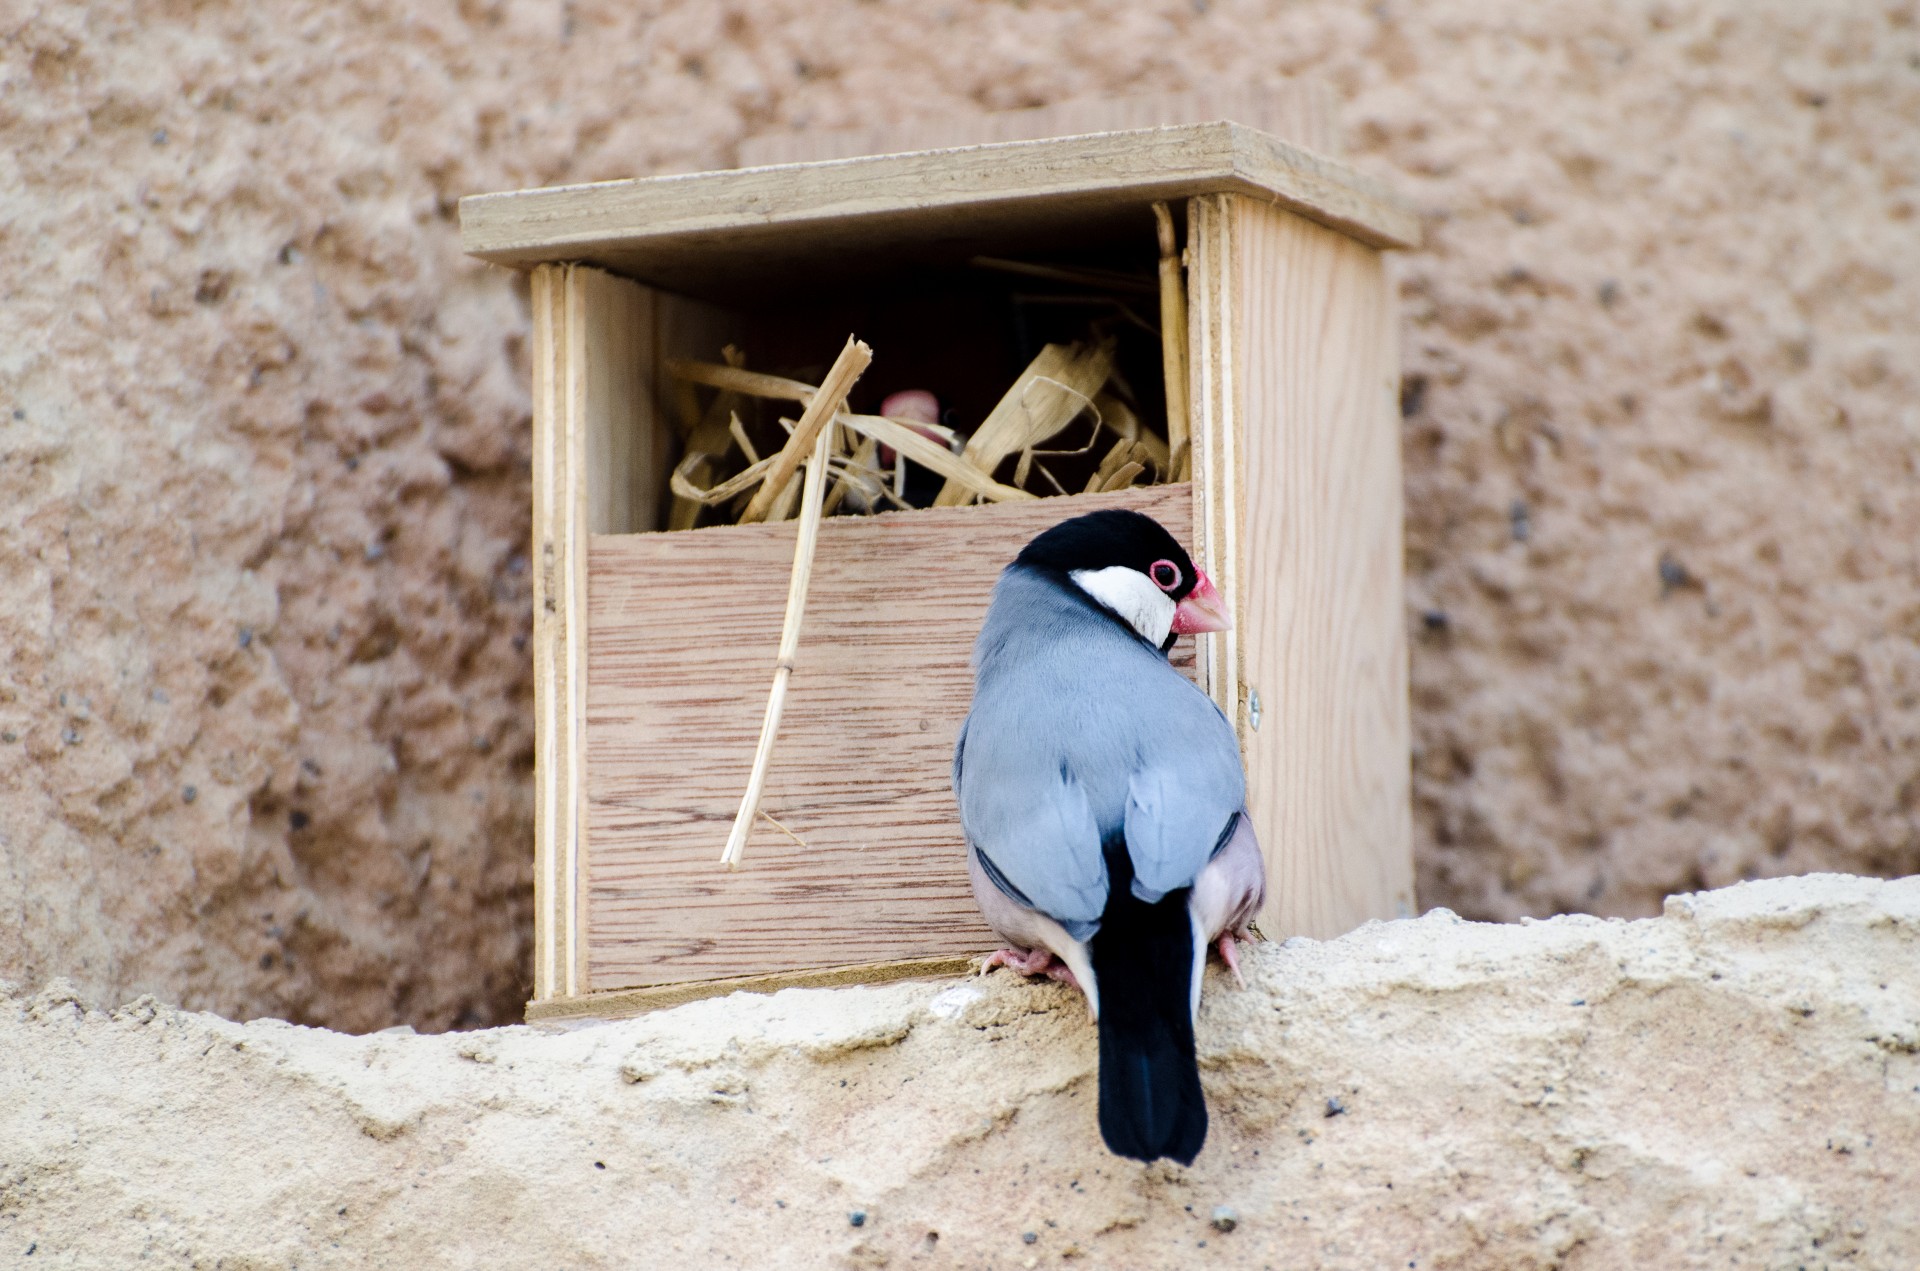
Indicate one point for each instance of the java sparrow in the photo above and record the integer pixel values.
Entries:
(1104, 806)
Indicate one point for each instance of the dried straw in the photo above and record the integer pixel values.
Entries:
(820, 410)
(823, 404)
(1173, 343)
(1056, 386)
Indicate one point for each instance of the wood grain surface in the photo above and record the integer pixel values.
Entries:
(702, 234)
(550, 924)
(1215, 465)
(682, 635)
(1300, 110)
(1314, 428)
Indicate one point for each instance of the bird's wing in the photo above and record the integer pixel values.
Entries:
(1030, 822)
(1183, 795)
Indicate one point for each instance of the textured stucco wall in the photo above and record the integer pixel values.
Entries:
(264, 709)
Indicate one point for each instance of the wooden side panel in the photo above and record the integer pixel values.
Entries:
(683, 632)
(1314, 360)
(1216, 462)
(1302, 111)
(552, 583)
(629, 445)
(599, 445)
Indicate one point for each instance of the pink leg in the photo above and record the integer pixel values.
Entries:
(1031, 962)
(1230, 956)
(1025, 961)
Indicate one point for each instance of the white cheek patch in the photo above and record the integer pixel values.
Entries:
(1132, 595)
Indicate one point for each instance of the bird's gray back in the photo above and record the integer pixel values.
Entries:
(1081, 732)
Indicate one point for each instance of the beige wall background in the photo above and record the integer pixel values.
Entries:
(265, 717)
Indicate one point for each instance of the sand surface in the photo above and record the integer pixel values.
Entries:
(1736, 1083)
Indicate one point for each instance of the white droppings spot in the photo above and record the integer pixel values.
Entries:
(951, 1002)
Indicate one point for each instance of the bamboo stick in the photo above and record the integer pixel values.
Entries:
(811, 499)
(822, 405)
(1173, 344)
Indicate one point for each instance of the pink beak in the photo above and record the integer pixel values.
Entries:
(1202, 610)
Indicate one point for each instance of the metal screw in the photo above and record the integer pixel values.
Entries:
(1253, 709)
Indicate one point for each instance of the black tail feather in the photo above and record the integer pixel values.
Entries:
(1150, 1100)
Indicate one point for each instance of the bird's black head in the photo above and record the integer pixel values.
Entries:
(1135, 569)
(1102, 540)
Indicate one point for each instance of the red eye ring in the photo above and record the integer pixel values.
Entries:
(1165, 574)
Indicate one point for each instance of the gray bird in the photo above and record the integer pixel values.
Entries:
(1104, 806)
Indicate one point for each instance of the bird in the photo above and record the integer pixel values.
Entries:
(1104, 807)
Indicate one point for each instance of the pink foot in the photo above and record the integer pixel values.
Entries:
(1230, 956)
(1032, 962)
(1025, 961)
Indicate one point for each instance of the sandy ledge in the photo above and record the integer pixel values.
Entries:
(1734, 1083)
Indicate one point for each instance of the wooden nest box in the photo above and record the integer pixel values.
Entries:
(653, 648)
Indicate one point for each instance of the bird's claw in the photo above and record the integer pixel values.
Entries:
(1230, 956)
(1064, 974)
(1032, 962)
(1025, 961)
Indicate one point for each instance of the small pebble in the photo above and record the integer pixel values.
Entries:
(1225, 1218)
(1520, 521)
(1335, 1107)
(9, 737)
(1672, 573)
(1029, 1236)
(246, 636)
(189, 794)
(856, 1217)
(1436, 619)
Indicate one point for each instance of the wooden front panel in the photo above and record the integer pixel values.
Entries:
(682, 629)
(1307, 410)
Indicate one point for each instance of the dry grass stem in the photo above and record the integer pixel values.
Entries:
(855, 355)
(1173, 342)
(752, 383)
(932, 455)
(1103, 279)
(1056, 386)
(822, 406)
(769, 819)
